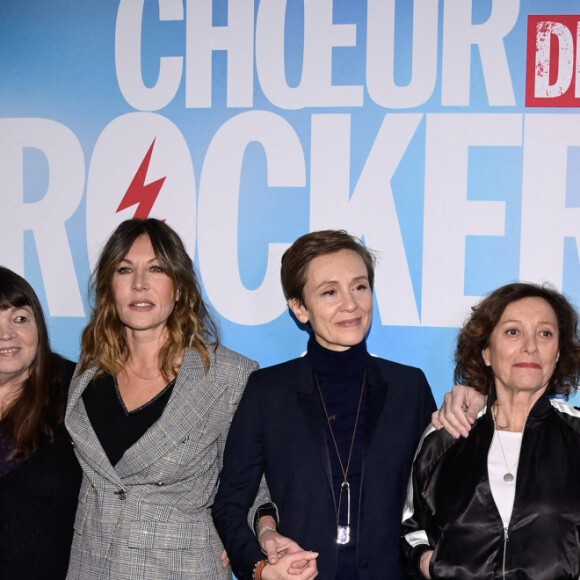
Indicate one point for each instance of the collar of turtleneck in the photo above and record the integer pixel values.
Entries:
(333, 363)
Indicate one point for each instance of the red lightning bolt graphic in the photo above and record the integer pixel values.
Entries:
(139, 193)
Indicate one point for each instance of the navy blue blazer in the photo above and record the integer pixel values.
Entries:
(278, 430)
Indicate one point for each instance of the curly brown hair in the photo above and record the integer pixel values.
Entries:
(298, 256)
(104, 344)
(475, 335)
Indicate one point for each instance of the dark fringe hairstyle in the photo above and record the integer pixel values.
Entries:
(40, 406)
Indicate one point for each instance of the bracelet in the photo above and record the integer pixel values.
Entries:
(265, 529)
(257, 572)
(266, 509)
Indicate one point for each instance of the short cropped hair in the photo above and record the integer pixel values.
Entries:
(306, 248)
(474, 338)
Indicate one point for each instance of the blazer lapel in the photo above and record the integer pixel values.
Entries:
(309, 401)
(193, 394)
(81, 430)
(377, 392)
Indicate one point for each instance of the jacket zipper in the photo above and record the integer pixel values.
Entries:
(506, 539)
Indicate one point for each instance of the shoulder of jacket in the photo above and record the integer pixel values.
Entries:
(567, 413)
(222, 361)
(288, 369)
(432, 448)
(393, 367)
(220, 354)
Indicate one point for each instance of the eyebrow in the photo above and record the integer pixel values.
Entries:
(512, 320)
(154, 259)
(16, 308)
(326, 282)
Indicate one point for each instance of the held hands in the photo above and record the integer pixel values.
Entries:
(292, 566)
(459, 411)
(274, 546)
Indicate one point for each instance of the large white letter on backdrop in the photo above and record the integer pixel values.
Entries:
(381, 54)
(164, 189)
(219, 192)
(46, 217)
(237, 38)
(371, 211)
(546, 220)
(320, 36)
(449, 216)
(128, 57)
(459, 37)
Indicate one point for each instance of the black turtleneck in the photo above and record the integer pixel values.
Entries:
(340, 376)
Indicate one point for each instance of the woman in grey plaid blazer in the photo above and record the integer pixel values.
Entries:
(148, 412)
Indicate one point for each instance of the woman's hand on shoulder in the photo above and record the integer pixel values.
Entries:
(459, 411)
(292, 566)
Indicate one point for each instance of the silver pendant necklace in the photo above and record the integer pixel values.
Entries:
(508, 476)
(343, 528)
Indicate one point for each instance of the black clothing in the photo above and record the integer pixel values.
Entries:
(340, 375)
(277, 430)
(453, 504)
(38, 502)
(117, 428)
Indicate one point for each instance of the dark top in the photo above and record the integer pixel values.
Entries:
(115, 426)
(451, 505)
(277, 431)
(340, 376)
(38, 502)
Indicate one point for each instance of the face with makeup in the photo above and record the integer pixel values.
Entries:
(524, 346)
(337, 300)
(144, 294)
(18, 343)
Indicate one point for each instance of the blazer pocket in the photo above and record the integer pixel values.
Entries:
(162, 536)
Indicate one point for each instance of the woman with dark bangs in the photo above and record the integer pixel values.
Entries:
(39, 474)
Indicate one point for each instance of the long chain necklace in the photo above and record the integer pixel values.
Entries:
(343, 531)
(508, 476)
(151, 378)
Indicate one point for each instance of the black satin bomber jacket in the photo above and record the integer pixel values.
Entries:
(451, 506)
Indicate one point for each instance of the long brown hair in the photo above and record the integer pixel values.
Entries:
(104, 343)
(40, 405)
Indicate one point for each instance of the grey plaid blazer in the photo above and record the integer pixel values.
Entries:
(148, 518)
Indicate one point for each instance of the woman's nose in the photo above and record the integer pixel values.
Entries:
(6, 331)
(349, 303)
(530, 343)
(139, 280)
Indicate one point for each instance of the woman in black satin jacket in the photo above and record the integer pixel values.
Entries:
(505, 501)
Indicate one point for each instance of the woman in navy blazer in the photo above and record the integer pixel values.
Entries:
(334, 432)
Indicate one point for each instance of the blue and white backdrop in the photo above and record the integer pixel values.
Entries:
(445, 133)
